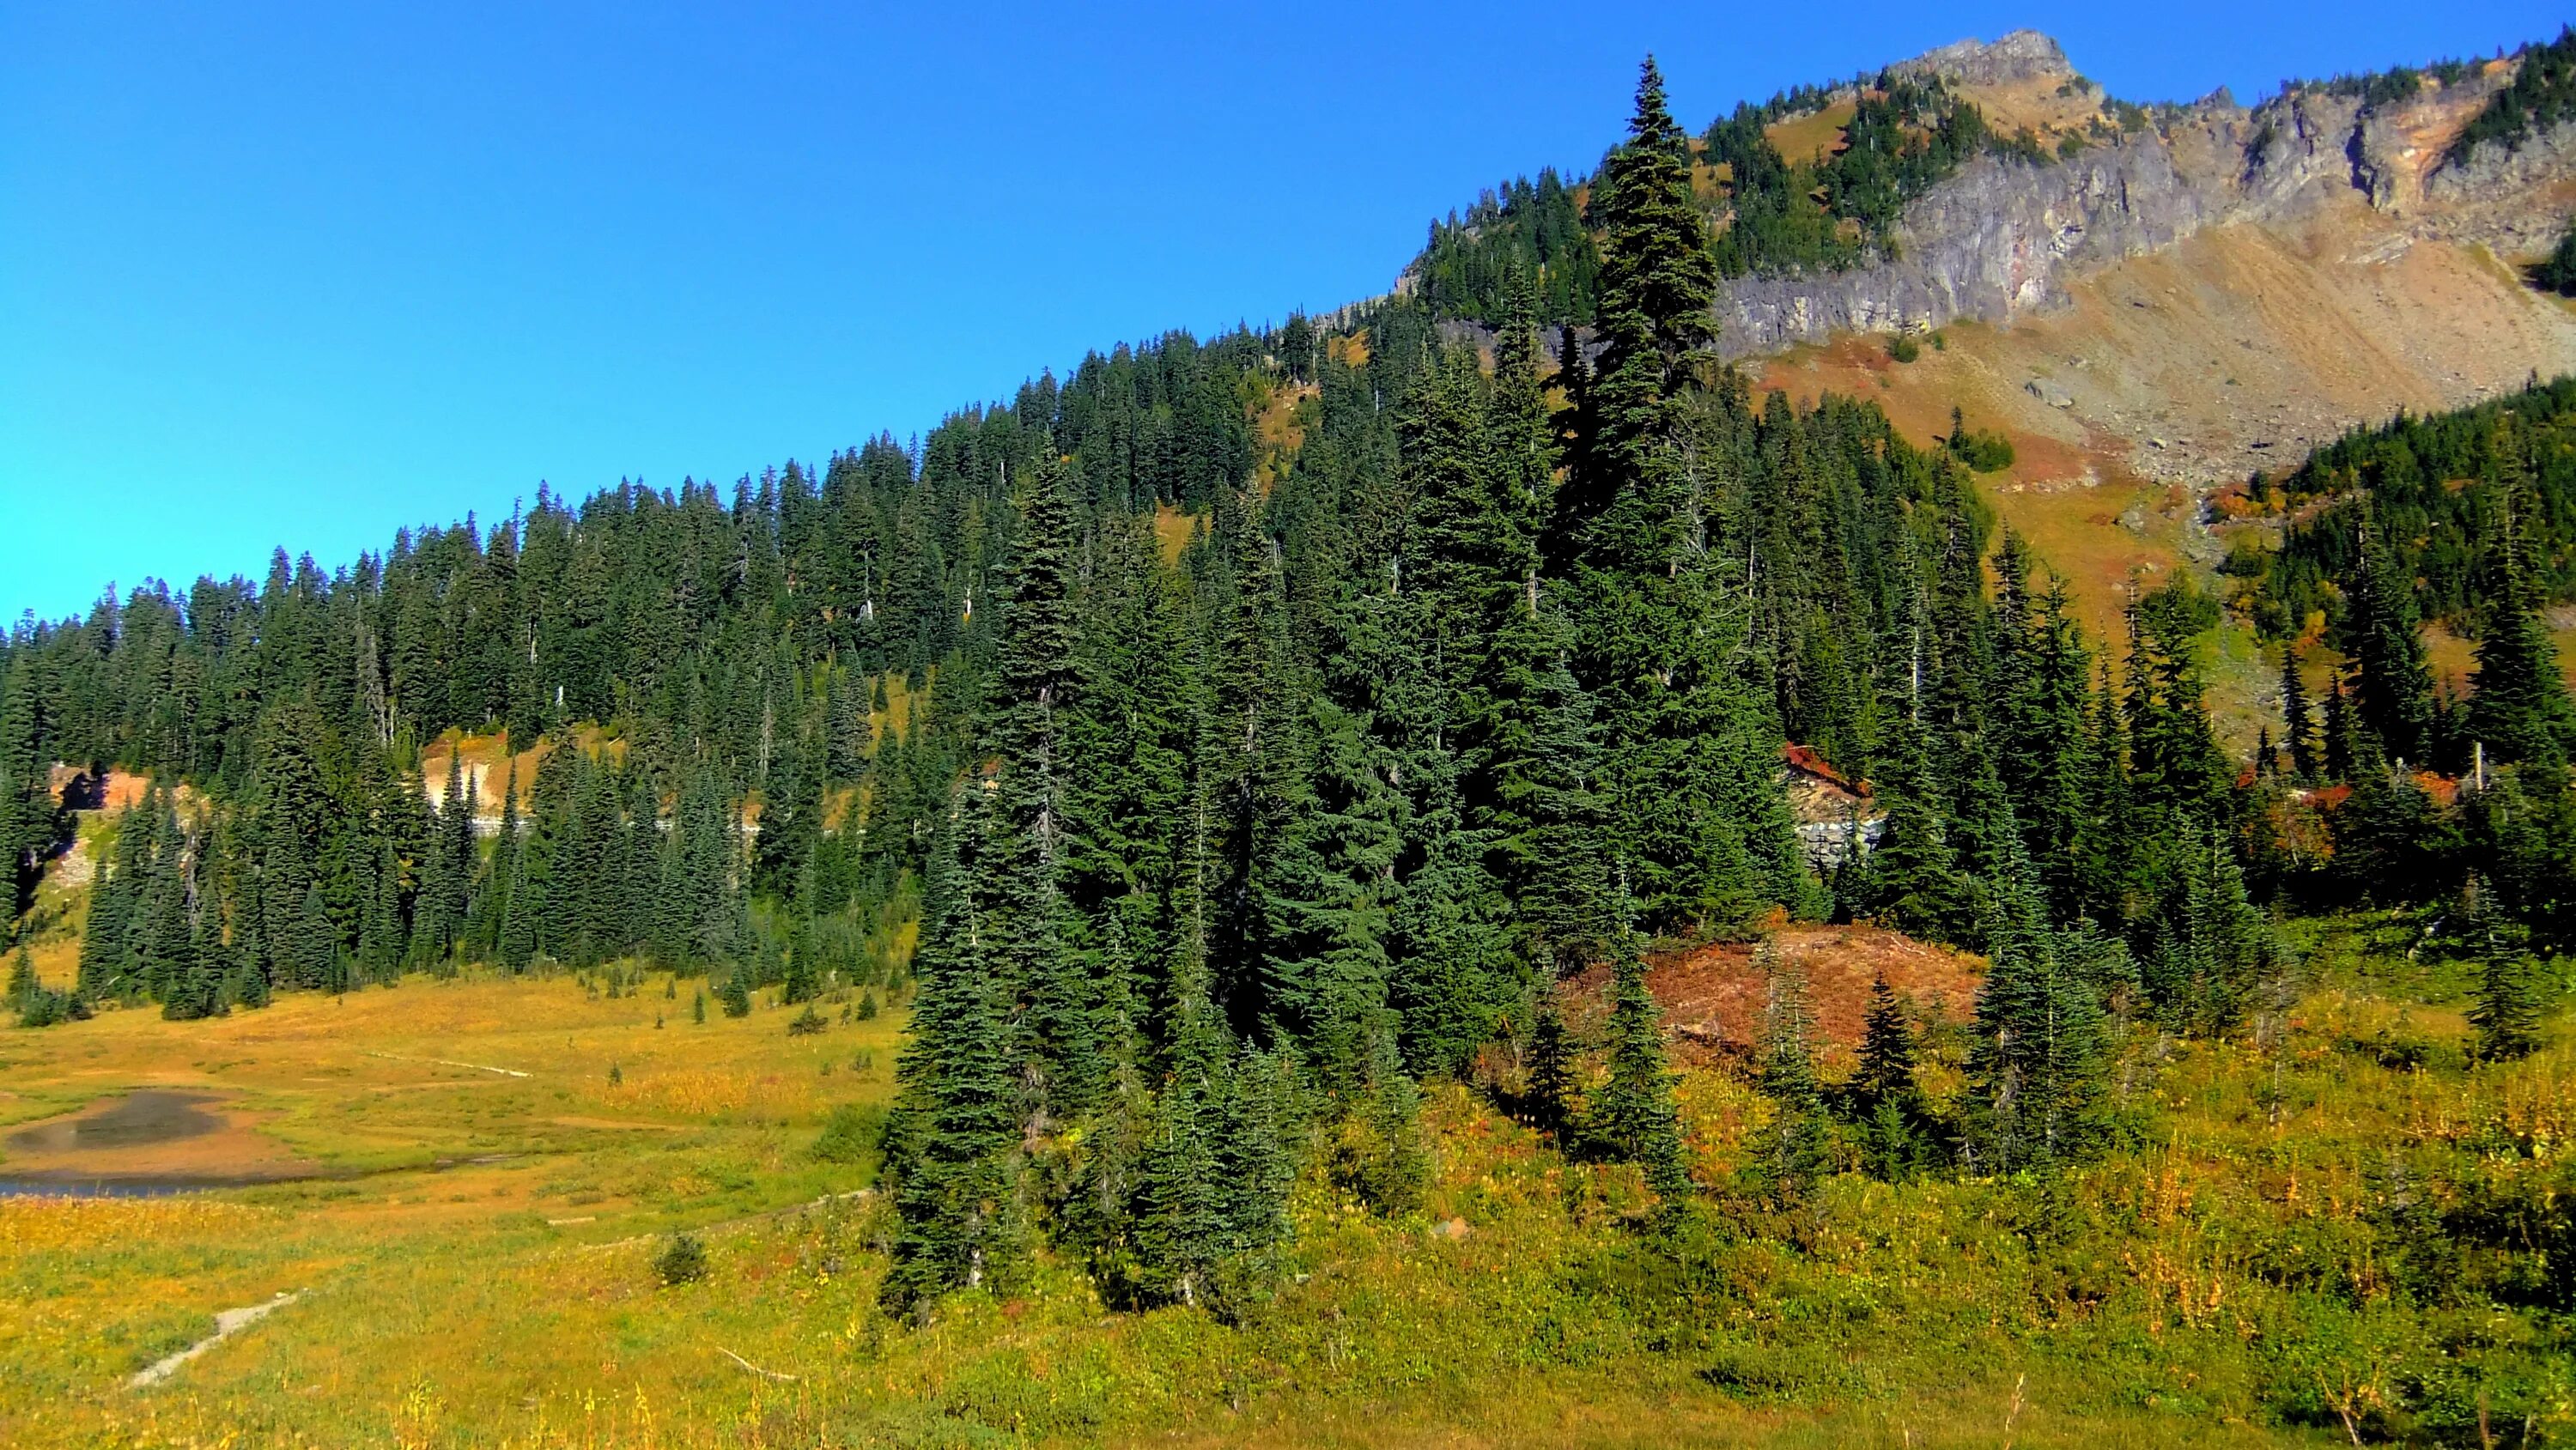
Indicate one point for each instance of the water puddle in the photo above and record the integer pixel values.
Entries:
(145, 1144)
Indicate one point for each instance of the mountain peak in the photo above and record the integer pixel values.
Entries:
(2017, 56)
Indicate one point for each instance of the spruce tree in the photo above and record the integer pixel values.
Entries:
(1028, 937)
(115, 895)
(2519, 709)
(1662, 625)
(1796, 1146)
(1180, 1209)
(2393, 685)
(1550, 1097)
(2038, 1061)
(955, 1135)
(1633, 1117)
(26, 804)
(1886, 1098)
(2509, 996)
(2342, 737)
(23, 985)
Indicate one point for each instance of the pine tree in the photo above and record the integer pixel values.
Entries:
(2508, 1002)
(1797, 1144)
(1550, 1097)
(1633, 1117)
(2520, 709)
(954, 1139)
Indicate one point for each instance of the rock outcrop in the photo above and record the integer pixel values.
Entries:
(2004, 238)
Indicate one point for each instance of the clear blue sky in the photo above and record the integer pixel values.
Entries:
(298, 274)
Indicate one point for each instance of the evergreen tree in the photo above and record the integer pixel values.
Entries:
(1632, 1117)
(2509, 996)
(2342, 742)
(1796, 1147)
(315, 946)
(1661, 624)
(26, 804)
(955, 1137)
(1551, 1072)
(2393, 686)
(1180, 1204)
(1058, 1016)
(106, 951)
(2520, 709)
(1886, 1099)
(2037, 1065)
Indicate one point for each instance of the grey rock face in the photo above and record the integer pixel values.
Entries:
(2002, 239)
(2018, 56)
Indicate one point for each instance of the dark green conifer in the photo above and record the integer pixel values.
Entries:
(2508, 1001)
(1796, 1146)
(2392, 684)
(1886, 1098)
(2037, 1063)
(1551, 1092)
(2520, 709)
(1632, 1116)
(954, 1141)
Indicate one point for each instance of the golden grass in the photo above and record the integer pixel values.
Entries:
(1818, 133)
(509, 1299)
(1173, 531)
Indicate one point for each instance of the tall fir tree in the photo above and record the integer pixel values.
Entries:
(2508, 999)
(954, 1138)
(2519, 709)
(1632, 1117)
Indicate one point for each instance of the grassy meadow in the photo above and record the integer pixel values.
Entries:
(479, 1270)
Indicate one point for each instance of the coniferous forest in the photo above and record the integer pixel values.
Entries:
(1241, 793)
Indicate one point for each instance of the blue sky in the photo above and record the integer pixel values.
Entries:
(300, 274)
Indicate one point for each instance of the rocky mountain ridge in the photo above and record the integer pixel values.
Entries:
(2005, 238)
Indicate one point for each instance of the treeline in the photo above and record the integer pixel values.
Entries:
(1906, 135)
(1523, 230)
(2541, 95)
(1769, 213)
(2438, 493)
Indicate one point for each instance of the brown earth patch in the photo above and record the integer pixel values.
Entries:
(156, 1136)
(1713, 997)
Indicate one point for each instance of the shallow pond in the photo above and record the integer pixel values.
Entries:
(115, 1148)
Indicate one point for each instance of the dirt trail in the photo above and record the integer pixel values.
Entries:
(228, 1322)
